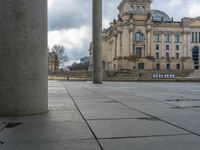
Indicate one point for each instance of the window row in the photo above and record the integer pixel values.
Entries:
(167, 47)
(168, 66)
(167, 56)
(167, 38)
(195, 37)
(141, 66)
(137, 9)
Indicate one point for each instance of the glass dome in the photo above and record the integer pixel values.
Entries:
(159, 16)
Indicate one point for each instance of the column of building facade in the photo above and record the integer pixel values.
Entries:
(173, 51)
(189, 45)
(125, 41)
(185, 44)
(131, 40)
(149, 42)
(163, 50)
(119, 42)
(113, 49)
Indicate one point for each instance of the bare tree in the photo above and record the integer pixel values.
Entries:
(60, 54)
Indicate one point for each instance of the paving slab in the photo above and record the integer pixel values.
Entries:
(112, 114)
(186, 142)
(132, 128)
(52, 145)
(43, 130)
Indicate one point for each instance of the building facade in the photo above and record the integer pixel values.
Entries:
(142, 38)
(53, 62)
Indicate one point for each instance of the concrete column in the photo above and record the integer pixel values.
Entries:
(97, 42)
(23, 57)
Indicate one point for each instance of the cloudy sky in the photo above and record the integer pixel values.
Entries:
(70, 20)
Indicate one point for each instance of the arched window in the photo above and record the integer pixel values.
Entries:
(139, 37)
(138, 8)
(143, 8)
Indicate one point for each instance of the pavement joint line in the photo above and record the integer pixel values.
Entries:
(162, 120)
(86, 139)
(83, 117)
(119, 119)
(145, 136)
(147, 114)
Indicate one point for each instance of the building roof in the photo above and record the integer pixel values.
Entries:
(159, 16)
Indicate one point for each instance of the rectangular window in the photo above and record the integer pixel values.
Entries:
(141, 66)
(199, 37)
(167, 47)
(157, 47)
(167, 55)
(177, 40)
(177, 47)
(167, 38)
(158, 66)
(157, 38)
(139, 52)
(168, 67)
(177, 55)
(157, 55)
(178, 66)
(196, 37)
(192, 37)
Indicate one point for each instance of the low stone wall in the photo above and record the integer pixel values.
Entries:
(122, 75)
(145, 74)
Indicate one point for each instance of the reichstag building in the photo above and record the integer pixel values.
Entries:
(142, 38)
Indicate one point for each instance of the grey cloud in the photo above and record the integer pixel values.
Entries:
(76, 13)
(69, 14)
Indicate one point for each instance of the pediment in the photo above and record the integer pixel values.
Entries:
(194, 23)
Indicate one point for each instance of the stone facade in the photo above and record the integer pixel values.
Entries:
(142, 38)
(53, 62)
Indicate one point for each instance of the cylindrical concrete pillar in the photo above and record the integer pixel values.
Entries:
(23, 57)
(97, 42)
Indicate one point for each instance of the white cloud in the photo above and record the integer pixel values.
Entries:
(106, 23)
(194, 9)
(75, 40)
(50, 3)
(70, 38)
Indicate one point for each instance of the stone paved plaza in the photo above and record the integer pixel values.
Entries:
(112, 116)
